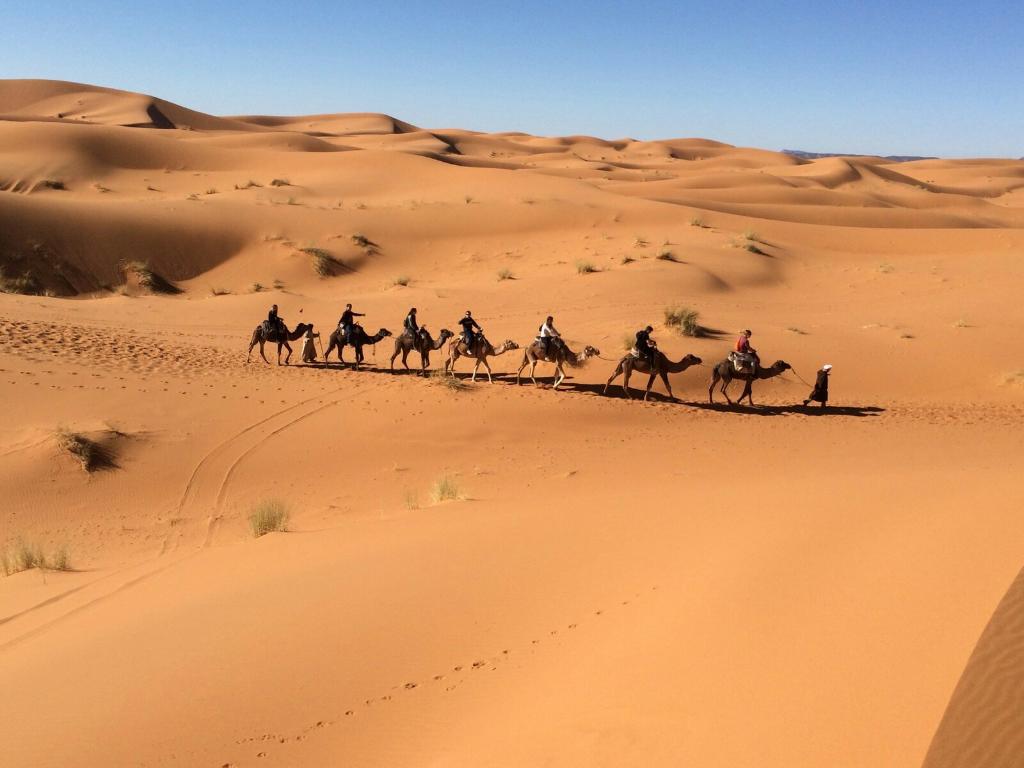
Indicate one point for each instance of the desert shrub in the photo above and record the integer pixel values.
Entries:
(54, 184)
(401, 281)
(445, 488)
(468, 199)
(147, 278)
(684, 320)
(211, 191)
(278, 284)
(628, 259)
(666, 255)
(639, 242)
(750, 235)
(25, 284)
(90, 454)
(505, 274)
(256, 288)
(248, 185)
(885, 268)
(797, 331)
(268, 516)
(324, 262)
(280, 183)
(448, 381)
(585, 267)
(24, 555)
(361, 240)
(697, 221)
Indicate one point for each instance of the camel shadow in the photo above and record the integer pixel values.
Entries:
(859, 411)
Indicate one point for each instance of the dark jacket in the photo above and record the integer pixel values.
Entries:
(410, 323)
(820, 391)
(348, 317)
(272, 317)
(643, 340)
(468, 325)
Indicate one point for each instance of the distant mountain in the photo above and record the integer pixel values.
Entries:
(815, 155)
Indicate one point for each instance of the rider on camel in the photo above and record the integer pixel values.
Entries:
(549, 335)
(645, 346)
(747, 352)
(468, 325)
(347, 322)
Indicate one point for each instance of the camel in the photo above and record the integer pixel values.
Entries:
(261, 336)
(662, 367)
(559, 354)
(726, 372)
(421, 343)
(358, 341)
(482, 349)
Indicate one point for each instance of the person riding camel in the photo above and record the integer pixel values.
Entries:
(347, 322)
(645, 345)
(468, 325)
(274, 323)
(549, 336)
(746, 355)
(410, 324)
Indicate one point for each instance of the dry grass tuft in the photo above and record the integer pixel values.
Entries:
(401, 281)
(89, 453)
(585, 267)
(147, 278)
(445, 488)
(280, 183)
(324, 262)
(697, 221)
(684, 320)
(268, 516)
(24, 556)
(505, 274)
(666, 255)
(448, 381)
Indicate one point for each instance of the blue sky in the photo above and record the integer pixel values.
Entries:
(935, 78)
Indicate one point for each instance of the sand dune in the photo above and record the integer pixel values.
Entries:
(615, 582)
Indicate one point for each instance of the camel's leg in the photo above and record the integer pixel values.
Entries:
(650, 383)
(397, 350)
(726, 381)
(488, 367)
(559, 375)
(450, 362)
(405, 358)
(519, 373)
(625, 381)
(279, 353)
(533, 370)
(711, 387)
(252, 343)
(664, 378)
(748, 392)
(615, 375)
(289, 355)
(475, 369)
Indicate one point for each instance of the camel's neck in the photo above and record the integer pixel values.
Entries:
(679, 367)
(768, 373)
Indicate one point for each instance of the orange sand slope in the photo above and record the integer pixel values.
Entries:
(616, 583)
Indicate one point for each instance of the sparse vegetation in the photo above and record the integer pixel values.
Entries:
(324, 262)
(256, 288)
(1014, 378)
(89, 453)
(268, 516)
(412, 501)
(193, 196)
(906, 335)
(697, 221)
(639, 242)
(449, 382)
(445, 488)
(293, 201)
(362, 240)
(684, 320)
(248, 185)
(505, 274)
(751, 236)
(278, 284)
(628, 259)
(961, 323)
(100, 188)
(147, 278)
(24, 556)
(885, 267)
(468, 199)
(211, 191)
(585, 267)
(401, 281)
(151, 188)
(797, 331)
(54, 184)
(24, 284)
(280, 183)
(666, 255)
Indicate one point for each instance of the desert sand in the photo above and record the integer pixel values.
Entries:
(619, 583)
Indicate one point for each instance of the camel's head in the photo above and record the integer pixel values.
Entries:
(781, 365)
(509, 344)
(384, 333)
(692, 360)
(589, 351)
(445, 334)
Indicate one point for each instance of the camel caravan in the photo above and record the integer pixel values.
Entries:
(742, 364)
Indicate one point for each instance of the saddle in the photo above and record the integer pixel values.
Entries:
(742, 361)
